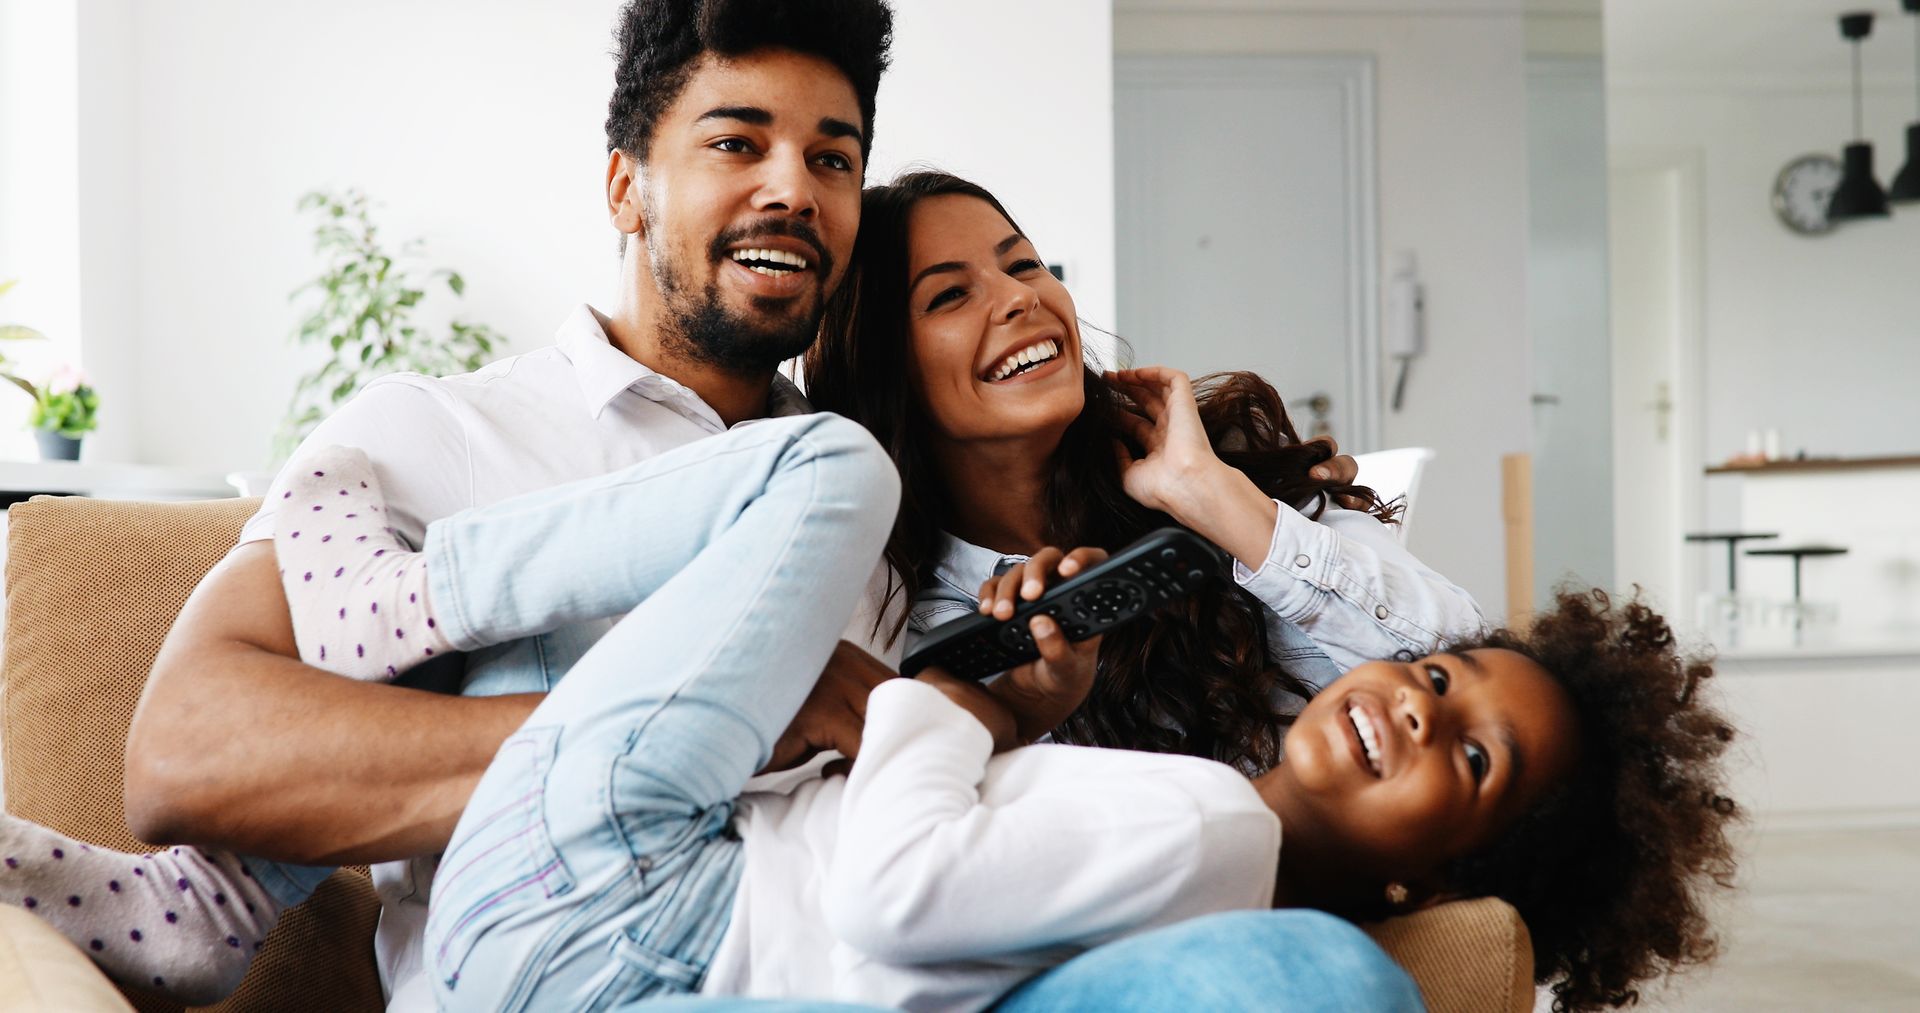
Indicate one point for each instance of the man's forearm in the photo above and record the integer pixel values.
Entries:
(263, 755)
(236, 745)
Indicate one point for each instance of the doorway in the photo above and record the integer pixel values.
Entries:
(1657, 432)
(1245, 221)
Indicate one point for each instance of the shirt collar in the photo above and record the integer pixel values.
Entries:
(966, 566)
(604, 372)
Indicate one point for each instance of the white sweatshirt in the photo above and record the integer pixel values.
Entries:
(938, 876)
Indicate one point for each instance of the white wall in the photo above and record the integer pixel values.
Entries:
(1819, 337)
(478, 126)
(1451, 100)
(39, 196)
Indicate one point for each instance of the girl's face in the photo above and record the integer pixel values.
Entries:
(1399, 767)
(996, 348)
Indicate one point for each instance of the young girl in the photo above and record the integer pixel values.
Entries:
(609, 854)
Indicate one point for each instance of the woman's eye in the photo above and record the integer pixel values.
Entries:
(1024, 265)
(1438, 676)
(1477, 759)
(734, 145)
(945, 297)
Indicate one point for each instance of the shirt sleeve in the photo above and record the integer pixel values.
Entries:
(412, 434)
(1349, 583)
(923, 871)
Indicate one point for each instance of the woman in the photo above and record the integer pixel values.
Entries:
(1006, 443)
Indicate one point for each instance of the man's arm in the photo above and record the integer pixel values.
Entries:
(236, 744)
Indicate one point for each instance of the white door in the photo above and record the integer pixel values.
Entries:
(1652, 321)
(1245, 226)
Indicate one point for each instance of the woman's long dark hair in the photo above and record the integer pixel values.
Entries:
(1194, 680)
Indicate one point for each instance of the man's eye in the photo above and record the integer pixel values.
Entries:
(837, 161)
(1024, 265)
(1438, 676)
(735, 145)
(1477, 759)
(945, 297)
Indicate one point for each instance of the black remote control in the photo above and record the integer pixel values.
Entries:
(1151, 572)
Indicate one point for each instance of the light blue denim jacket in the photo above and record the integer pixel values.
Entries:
(1338, 591)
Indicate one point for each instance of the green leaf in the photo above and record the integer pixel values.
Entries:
(7, 286)
(456, 283)
(15, 332)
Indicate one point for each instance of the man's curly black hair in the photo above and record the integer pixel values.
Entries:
(1612, 869)
(659, 42)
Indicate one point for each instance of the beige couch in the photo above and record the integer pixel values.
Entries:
(92, 587)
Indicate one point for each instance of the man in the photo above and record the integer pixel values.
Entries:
(737, 140)
(737, 133)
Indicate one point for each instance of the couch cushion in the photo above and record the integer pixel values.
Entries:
(1467, 956)
(92, 588)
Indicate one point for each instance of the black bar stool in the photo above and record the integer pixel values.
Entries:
(1799, 552)
(1733, 539)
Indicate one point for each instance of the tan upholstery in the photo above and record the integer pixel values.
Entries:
(1468, 956)
(92, 587)
(41, 972)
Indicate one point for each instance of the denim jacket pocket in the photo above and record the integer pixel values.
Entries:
(501, 861)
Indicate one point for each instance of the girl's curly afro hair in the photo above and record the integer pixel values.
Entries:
(1611, 870)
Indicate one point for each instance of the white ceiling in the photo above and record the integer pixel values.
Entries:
(1760, 43)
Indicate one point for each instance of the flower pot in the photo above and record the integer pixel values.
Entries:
(55, 447)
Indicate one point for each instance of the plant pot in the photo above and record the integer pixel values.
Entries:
(55, 447)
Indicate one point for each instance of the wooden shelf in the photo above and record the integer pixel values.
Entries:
(1817, 464)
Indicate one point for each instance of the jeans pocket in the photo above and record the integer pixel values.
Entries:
(500, 865)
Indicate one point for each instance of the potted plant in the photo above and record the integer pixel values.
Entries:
(364, 317)
(65, 408)
(65, 405)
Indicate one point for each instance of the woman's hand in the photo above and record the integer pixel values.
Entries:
(1040, 694)
(1175, 452)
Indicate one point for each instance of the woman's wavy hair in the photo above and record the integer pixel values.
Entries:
(1196, 679)
(1612, 869)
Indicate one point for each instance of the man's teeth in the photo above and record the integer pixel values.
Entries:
(1033, 355)
(1369, 738)
(773, 262)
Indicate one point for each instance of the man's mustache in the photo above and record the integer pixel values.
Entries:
(822, 260)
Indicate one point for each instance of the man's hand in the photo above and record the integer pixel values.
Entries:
(835, 713)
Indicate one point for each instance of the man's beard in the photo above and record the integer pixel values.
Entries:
(701, 327)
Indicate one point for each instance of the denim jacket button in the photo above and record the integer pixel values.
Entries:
(1379, 611)
(1302, 561)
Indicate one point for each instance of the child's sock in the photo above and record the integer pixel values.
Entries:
(358, 594)
(184, 922)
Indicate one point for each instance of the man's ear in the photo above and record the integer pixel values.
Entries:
(624, 193)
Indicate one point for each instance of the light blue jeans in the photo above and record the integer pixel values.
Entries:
(595, 865)
(1291, 961)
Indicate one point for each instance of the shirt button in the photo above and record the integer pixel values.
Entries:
(1403, 655)
(1302, 561)
(644, 864)
(1379, 611)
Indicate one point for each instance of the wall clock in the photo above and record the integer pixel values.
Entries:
(1802, 190)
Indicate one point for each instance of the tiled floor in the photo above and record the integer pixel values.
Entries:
(1826, 921)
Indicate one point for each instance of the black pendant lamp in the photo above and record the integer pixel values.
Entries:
(1906, 186)
(1859, 194)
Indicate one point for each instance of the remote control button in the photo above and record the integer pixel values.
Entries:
(1196, 575)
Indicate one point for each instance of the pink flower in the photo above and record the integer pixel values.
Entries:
(65, 379)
